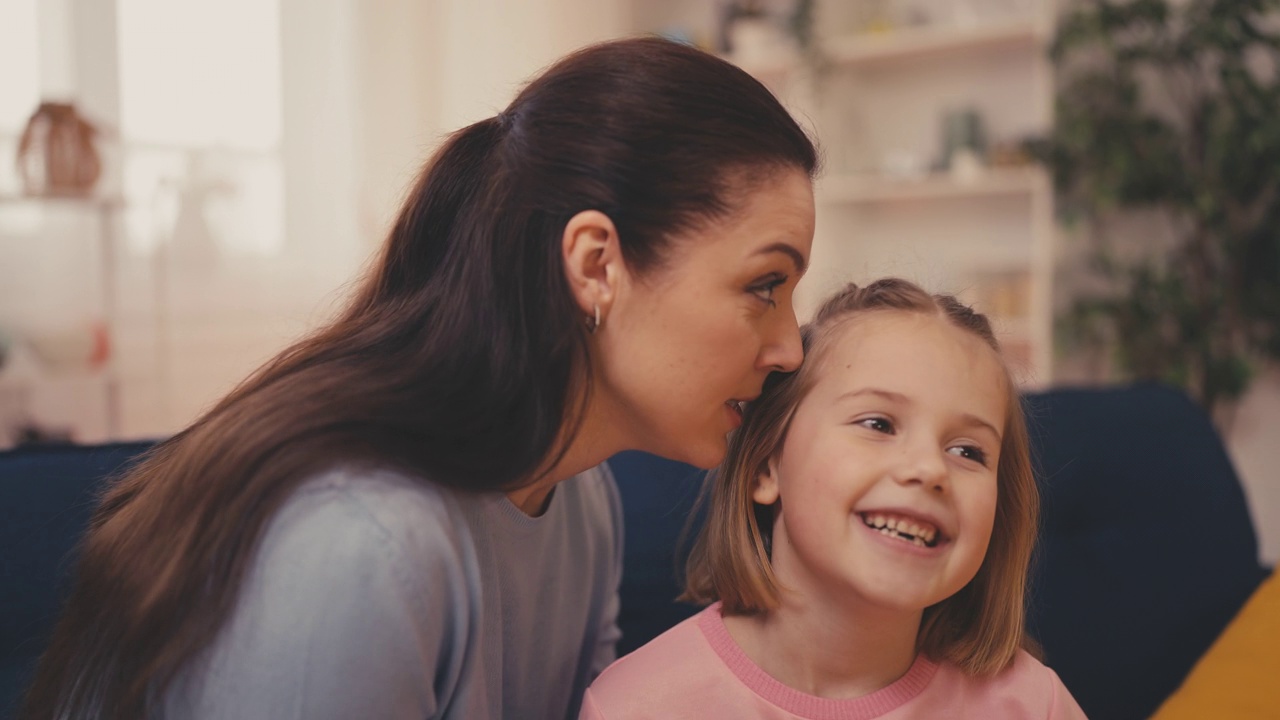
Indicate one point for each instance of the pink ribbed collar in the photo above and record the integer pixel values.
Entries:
(811, 706)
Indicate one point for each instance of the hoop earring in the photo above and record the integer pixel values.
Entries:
(594, 323)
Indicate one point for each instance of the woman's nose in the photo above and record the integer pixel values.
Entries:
(782, 348)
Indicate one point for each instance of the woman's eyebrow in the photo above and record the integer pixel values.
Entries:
(785, 249)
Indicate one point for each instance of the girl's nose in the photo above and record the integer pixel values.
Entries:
(923, 465)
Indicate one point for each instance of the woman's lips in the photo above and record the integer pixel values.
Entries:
(735, 409)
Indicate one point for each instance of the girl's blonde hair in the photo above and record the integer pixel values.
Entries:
(980, 628)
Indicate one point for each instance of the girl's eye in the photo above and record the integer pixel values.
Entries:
(764, 289)
(879, 424)
(970, 452)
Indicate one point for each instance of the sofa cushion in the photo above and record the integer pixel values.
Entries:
(658, 496)
(1237, 677)
(47, 494)
(1147, 547)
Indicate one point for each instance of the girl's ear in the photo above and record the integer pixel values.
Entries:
(592, 260)
(765, 491)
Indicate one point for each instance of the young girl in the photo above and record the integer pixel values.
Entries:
(868, 538)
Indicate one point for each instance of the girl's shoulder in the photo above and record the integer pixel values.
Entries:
(1027, 684)
(678, 662)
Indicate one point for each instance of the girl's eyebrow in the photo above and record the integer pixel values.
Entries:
(886, 394)
(967, 419)
(975, 421)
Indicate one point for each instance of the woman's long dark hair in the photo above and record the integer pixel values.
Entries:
(462, 356)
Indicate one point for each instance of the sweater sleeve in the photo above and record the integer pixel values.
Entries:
(355, 607)
(609, 633)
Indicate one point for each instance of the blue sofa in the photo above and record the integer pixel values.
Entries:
(1147, 547)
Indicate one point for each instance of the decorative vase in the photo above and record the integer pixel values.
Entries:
(57, 155)
(964, 144)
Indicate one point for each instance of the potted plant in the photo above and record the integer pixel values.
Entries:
(1170, 111)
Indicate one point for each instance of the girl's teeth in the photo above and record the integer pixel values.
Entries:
(902, 528)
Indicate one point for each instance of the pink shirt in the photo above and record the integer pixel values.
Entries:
(696, 670)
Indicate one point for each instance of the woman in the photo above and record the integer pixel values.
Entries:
(402, 515)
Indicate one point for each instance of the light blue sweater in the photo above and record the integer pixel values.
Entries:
(375, 596)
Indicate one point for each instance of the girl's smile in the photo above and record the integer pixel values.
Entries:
(919, 530)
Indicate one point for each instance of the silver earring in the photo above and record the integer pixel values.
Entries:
(594, 324)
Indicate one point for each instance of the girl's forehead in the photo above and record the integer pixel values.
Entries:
(877, 334)
(911, 353)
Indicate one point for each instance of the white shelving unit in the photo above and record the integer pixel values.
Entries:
(885, 204)
(855, 49)
(96, 219)
(994, 182)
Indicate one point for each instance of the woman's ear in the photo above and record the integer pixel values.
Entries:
(592, 260)
(765, 491)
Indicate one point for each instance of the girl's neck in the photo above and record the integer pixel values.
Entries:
(837, 652)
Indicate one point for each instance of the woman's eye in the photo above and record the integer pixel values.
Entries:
(878, 424)
(970, 452)
(764, 289)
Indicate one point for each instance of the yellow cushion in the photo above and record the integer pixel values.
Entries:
(1240, 675)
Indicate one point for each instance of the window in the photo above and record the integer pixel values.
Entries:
(19, 55)
(200, 118)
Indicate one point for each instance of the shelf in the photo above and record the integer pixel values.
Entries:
(864, 49)
(12, 380)
(872, 92)
(919, 42)
(104, 202)
(774, 66)
(1012, 328)
(868, 48)
(992, 182)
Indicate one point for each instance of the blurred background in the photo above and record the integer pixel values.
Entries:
(186, 186)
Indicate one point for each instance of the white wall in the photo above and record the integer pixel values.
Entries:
(1253, 440)
(398, 62)
(430, 68)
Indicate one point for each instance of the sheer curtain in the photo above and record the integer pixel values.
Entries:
(229, 150)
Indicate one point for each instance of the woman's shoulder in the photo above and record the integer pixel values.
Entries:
(385, 501)
(352, 538)
(383, 492)
(594, 486)
(593, 495)
(358, 572)
(353, 515)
